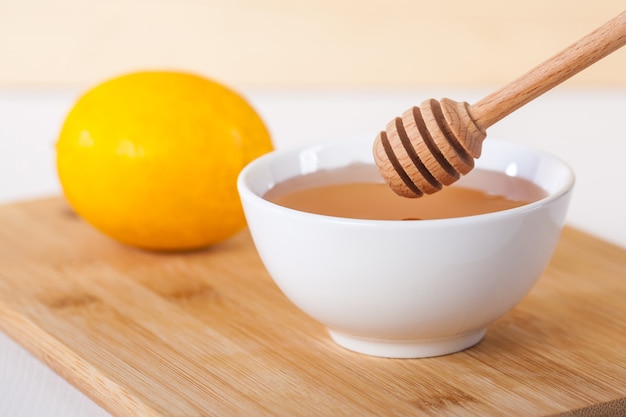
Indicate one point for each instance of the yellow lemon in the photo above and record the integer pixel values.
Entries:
(152, 158)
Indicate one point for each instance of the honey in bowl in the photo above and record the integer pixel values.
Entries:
(356, 191)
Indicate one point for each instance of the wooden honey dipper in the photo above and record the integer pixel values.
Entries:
(435, 144)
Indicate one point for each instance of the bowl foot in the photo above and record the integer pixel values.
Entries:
(408, 349)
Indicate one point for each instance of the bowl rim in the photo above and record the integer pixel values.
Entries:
(246, 194)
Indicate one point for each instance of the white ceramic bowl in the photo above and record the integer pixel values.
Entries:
(405, 289)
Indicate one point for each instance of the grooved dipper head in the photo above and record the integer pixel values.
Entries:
(429, 147)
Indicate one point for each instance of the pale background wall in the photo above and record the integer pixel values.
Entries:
(286, 44)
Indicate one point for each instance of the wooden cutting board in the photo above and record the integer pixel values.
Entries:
(207, 333)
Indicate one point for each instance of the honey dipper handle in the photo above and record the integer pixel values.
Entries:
(547, 75)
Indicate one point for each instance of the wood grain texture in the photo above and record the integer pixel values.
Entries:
(208, 333)
(570, 61)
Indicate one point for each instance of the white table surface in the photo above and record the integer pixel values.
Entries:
(583, 127)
